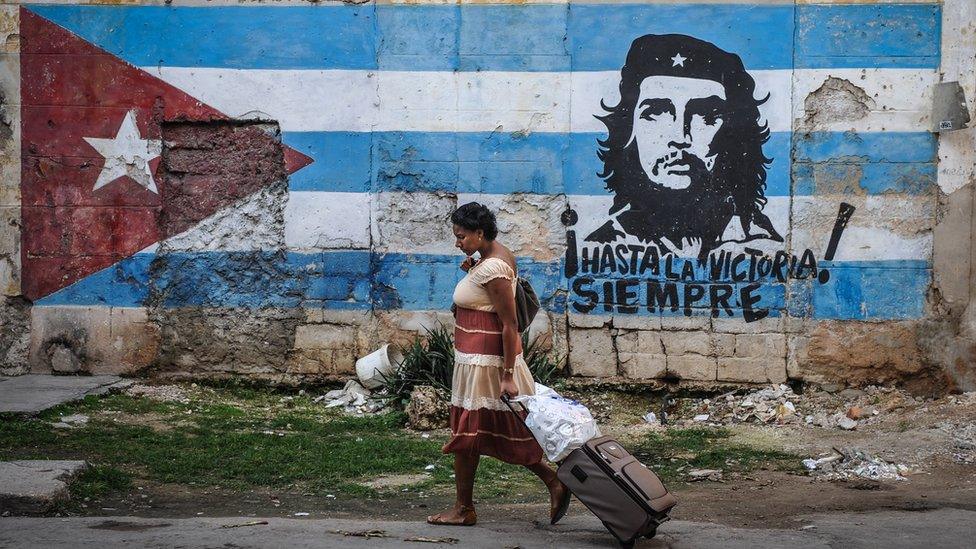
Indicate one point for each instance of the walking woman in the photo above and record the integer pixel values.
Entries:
(488, 362)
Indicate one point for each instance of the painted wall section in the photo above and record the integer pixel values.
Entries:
(710, 193)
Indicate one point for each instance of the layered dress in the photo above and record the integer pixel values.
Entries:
(481, 424)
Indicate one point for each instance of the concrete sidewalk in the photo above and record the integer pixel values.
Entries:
(31, 394)
(944, 528)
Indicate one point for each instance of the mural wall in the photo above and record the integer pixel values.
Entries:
(710, 192)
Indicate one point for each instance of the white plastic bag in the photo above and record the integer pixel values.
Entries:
(559, 424)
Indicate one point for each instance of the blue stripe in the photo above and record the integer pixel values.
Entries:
(865, 163)
(341, 161)
(867, 146)
(872, 290)
(240, 37)
(871, 35)
(537, 37)
(359, 280)
(554, 163)
(601, 34)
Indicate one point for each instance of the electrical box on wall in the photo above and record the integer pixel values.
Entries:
(949, 111)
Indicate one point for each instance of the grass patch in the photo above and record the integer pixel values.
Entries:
(99, 480)
(225, 439)
(235, 451)
(673, 453)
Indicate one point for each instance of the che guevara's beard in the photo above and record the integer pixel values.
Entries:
(700, 210)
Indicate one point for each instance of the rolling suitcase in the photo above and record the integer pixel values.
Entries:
(622, 492)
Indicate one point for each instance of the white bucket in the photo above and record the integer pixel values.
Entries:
(373, 366)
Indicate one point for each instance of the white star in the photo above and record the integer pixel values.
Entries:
(678, 60)
(127, 154)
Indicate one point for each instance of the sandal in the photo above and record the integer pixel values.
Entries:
(560, 511)
(468, 518)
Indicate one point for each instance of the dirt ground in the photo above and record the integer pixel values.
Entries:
(764, 499)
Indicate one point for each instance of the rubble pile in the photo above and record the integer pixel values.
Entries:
(848, 463)
(844, 409)
(353, 398)
(963, 435)
(162, 393)
(427, 409)
(774, 404)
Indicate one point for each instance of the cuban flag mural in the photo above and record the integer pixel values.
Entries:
(734, 161)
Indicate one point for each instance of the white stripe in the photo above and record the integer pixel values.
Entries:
(319, 221)
(441, 101)
(883, 227)
(865, 100)
(589, 88)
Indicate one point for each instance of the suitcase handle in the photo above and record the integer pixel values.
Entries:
(508, 402)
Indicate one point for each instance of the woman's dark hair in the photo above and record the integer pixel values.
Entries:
(473, 216)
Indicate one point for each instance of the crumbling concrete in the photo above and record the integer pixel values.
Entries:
(411, 222)
(836, 99)
(224, 342)
(858, 353)
(227, 332)
(30, 394)
(34, 486)
(14, 335)
(329, 343)
(950, 339)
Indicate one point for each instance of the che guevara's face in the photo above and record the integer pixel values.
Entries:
(675, 122)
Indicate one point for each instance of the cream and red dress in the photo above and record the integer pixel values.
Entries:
(481, 424)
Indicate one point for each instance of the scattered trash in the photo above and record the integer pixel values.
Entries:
(651, 418)
(450, 541)
(71, 422)
(429, 467)
(162, 393)
(301, 514)
(701, 417)
(252, 523)
(704, 474)
(848, 463)
(363, 533)
(963, 435)
(813, 464)
(372, 368)
(855, 412)
(354, 399)
(785, 410)
(425, 435)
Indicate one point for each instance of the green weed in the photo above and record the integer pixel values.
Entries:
(430, 361)
(676, 451)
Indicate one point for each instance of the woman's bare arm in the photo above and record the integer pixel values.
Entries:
(503, 299)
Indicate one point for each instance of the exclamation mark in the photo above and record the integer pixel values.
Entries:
(843, 216)
(569, 218)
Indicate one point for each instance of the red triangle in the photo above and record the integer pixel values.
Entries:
(70, 90)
